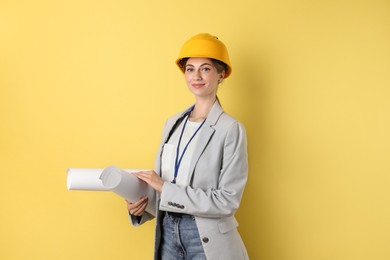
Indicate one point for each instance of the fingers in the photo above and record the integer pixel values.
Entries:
(151, 178)
(137, 204)
(141, 209)
(144, 175)
(137, 208)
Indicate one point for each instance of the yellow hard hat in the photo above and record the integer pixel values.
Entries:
(204, 45)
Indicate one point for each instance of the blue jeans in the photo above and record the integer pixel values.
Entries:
(180, 239)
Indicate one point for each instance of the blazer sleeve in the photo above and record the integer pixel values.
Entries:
(223, 198)
(139, 220)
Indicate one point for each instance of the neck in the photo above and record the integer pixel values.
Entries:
(201, 109)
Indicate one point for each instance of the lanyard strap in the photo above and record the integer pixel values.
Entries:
(178, 160)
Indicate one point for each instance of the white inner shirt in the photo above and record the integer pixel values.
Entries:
(169, 153)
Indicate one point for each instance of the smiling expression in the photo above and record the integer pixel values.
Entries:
(202, 77)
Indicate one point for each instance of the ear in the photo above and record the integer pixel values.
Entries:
(221, 76)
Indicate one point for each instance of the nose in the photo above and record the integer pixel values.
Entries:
(198, 75)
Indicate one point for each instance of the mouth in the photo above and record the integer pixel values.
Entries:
(198, 85)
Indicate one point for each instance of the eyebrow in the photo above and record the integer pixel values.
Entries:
(200, 65)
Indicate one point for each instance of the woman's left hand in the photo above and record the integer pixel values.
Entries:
(151, 178)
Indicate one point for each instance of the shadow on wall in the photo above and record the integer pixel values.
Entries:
(254, 84)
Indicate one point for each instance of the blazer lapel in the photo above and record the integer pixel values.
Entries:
(172, 125)
(205, 134)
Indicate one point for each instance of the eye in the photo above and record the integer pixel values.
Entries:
(189, 69)
(206, 69)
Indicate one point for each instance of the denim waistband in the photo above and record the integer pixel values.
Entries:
(176, 215)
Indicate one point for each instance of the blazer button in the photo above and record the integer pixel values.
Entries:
(205, 239)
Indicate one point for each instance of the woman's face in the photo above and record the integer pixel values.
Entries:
(202, 77)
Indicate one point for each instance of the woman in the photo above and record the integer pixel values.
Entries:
(201, 166)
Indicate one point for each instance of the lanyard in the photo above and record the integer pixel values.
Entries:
(178, 160)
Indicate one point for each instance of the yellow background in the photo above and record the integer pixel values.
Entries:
(90, 84)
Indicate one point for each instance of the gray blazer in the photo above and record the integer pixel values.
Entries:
(219, 170)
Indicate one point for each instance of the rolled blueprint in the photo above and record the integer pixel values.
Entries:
(114, 179)
(127, 185)
(85, 179)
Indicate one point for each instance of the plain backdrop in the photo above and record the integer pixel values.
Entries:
(90, 84)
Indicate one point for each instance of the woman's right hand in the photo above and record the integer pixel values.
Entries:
(137, 208)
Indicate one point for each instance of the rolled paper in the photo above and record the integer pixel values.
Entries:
(122, 182)
(85, 179)
(127, 185)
